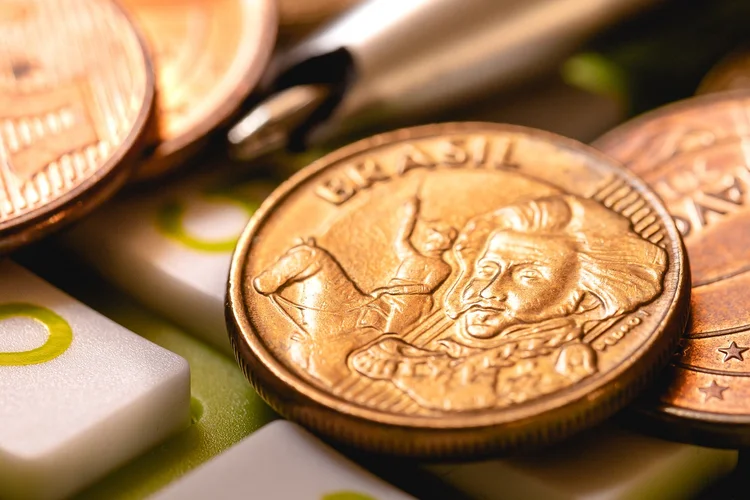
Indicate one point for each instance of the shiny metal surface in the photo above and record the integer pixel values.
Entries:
(455, 290)
(390, 59)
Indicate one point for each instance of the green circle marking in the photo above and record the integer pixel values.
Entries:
(60, 335)
(169, 220)
(347, 495)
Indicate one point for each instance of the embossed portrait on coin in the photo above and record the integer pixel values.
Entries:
(532, 278)
(527, 282)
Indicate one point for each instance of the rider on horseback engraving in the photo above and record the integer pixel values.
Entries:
(408, 295)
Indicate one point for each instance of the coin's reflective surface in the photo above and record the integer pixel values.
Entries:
(208, 57)
(76, 91)
(732, 73)
(695, 155)
(455, 289)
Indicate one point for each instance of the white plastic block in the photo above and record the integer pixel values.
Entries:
(281, 461)
(602, 464)
(172, 249)
(79, 394)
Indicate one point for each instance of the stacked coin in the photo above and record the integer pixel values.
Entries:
(78, 88)
(456, 290)
(466, 289)
(78, 93)
(208, 57)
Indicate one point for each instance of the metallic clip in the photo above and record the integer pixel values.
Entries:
(388, 60)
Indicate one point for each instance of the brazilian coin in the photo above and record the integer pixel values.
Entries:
(208, 56)
(457, 289)
(695, 156)
(77, 92)
(732, 73)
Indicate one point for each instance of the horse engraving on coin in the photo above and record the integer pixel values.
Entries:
(457, 289)
(520, 285)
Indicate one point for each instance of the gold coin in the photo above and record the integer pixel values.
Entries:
(456, 290)
(77, 91)
(208, 56)
(694, 154)
(731, 73)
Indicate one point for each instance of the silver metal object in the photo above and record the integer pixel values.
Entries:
(402, 59)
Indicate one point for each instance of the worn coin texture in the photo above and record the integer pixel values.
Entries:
(208, 56)
(77, 92)
(732, 73)
(694, 154)
(456, 290)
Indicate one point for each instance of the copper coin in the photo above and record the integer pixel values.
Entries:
(77, 91)
(732, 73)
(695, 154)
(208, 56)
(457, 289)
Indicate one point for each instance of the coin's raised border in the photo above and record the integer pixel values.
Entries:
(174, 151)
(616, 134)
(103, 183)
(664, 420)
(478, 433)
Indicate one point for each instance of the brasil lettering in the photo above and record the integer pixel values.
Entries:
(459, 152)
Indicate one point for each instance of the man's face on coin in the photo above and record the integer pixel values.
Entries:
(519, 278)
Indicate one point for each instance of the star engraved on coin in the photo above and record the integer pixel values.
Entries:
(733, 352)
(694, 154)
(447, 279)
(713, 391)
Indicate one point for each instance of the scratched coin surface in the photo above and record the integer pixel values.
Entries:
(208, 57)
(695, 155)
(732, 73)
(457, 289)
(77, 92)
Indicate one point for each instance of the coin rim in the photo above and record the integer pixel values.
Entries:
(171, 153)
(104, 182)
(707, 425)
(486, 431)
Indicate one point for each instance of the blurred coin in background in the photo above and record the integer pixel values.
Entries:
(208, 57)
(695, 156)
(457, 289)
(77, 91)
(731, 73)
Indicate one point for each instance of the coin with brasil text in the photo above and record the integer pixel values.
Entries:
(457, 289)
(77, 93)
(208, 56)
(694, 154)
